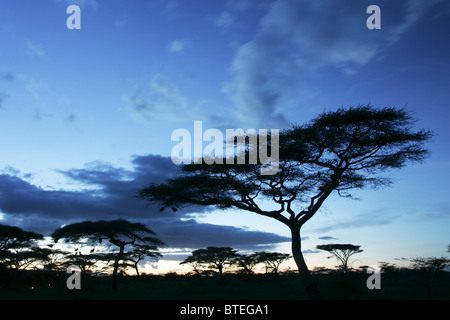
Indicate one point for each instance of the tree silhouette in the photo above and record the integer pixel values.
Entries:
(336, 152)
(214, 257)
(120, 233)
(247, 262)
(139, 253)
(18, 248)
(342, 252)
(272, 260)
(193, 261)
(430, 268)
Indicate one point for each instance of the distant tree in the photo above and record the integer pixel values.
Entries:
(336, 152)
(28, 258)
(18, 248)
(55, 259)
(431, 268)
(85, 262)
(272, 260)
(194, 262)
(431, 264)
(247, 262)
(15, 238)
(342, 252)
(213, 257)
(321, 270)
(120, 233)
(387, 267)
(139, 253)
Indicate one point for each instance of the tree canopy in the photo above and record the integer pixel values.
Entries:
(214, 257)
(342, 252)
(118, 232)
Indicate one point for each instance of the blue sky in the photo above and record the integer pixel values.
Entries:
(86, 115)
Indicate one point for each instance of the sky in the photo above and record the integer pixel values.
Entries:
(86, 115)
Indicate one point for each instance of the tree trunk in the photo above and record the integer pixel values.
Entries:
(305, 275)
(137, 269)
(116, 266)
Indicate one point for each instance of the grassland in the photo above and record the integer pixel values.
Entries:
(40, 285)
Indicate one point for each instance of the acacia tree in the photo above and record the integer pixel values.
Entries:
(342, 252)
(193, 262)
(139, 253)
(272, 260)
(18, 248)
(120, 233)
(430, 268)
(247, 262)
(334, 153)
(214, 257)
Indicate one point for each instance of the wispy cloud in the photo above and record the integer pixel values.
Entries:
(178, 45)
(70, 118)
(366, 219)
(327, 238)
(162, 97)
(298, 38)
(226, 19)
(7, 76)
(35, 49)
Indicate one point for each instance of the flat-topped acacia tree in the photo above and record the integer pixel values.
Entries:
(120, 233)
(337, 151)
(342, 252)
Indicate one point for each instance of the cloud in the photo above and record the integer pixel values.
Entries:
(7, 76)
(309, 251)
(367, 219)
(178, 45)
(328, 238)
(70, 118)
(163, 98)
(35, 49)
(226, 19)
(110, 193)
(297, 39)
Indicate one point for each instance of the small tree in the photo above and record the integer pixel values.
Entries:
(342, 252)
(18, 248)
(272, 260)
(120, 233)
(139, 253)
(247, 262)
(214, 257)
(193, 262)
(430, 268)
(85, 262)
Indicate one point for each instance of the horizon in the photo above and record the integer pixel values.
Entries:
(87, 114)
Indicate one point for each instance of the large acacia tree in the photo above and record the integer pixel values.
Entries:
(120, 233)
(336, 152)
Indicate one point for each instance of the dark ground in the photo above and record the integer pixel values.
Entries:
(40, 285)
